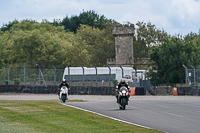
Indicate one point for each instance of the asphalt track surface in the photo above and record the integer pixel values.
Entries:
(173, 116)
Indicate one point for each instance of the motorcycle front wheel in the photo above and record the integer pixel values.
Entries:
(63, 98)
(123, 103)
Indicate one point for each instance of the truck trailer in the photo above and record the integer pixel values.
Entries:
(103, 73)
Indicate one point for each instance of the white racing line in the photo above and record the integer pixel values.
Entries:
(105, 116)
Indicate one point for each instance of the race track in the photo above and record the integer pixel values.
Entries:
(173, 116)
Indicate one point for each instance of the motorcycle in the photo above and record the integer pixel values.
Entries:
(123, 97)
(63, 94)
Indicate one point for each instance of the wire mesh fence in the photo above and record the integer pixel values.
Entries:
(76, 76)
(30, 76)
(192, 77)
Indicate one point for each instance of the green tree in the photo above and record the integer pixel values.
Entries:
(196, 40)
(190, 37)
(100, 44)
(78, 54)
(104, 47)
(31, 43)
(6, 27)
(90, 18)
(168, 60)
(57, 22)
(2, 48)
(146, 36)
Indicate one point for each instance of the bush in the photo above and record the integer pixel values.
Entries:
(6, 82)
(114, 82)
(17, 81)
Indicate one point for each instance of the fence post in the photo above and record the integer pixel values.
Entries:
(68, 73)
(194, 75)
(54, 74)
(83, 76)
(186, 77)
(40, 73)
(122, 71)
(109, 76)
(8, 74)
(38, 67)
(96, 74)
(24, 74)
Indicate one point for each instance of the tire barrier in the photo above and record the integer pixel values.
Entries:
(29, 89)
(186, 91)
(8, 88)
(74, 90)
(79, 90)
(137, 91)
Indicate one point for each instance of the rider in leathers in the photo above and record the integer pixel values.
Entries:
(122, 83)
(63, 83)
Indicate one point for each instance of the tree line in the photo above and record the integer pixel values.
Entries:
(87, 40)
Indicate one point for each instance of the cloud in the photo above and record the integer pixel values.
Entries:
(185, 15)
(174, 16)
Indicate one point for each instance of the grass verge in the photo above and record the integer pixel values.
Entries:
(52, 117)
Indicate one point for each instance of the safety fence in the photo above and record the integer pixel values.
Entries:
(192, 77)
(45, 77)
(29, 76)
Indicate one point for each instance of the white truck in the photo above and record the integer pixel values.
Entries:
(128, 73)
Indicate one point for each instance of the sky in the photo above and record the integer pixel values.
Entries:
(173, 16)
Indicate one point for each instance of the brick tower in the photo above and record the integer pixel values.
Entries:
(123, 45)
